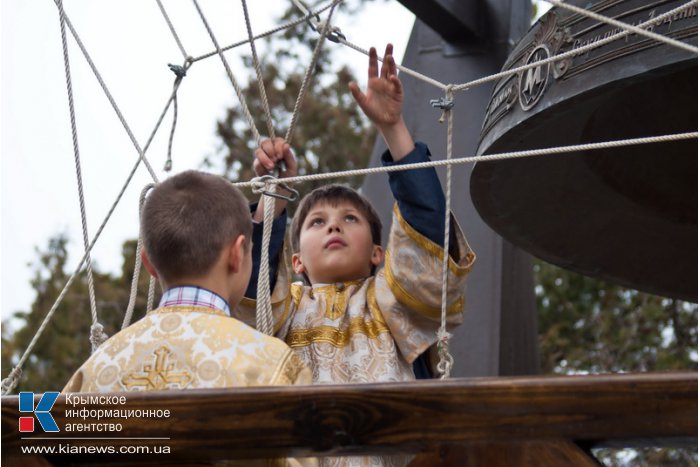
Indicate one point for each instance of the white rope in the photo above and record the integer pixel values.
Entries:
(263, 308)
(624, 26)
(258, 73)
(627, 30)
(404, 69)
(9, 383)
(239, 92)
(444, 366)
(172, 31)
(573, 52)
(142, 154)
(137, 262)
(151, 294)
(489, 157)
(97, 335)
(263, 304)
(309, 71)
(283, 27)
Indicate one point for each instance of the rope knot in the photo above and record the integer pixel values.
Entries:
(97, 335)
(265, 185)
(9, 383)
(444, 366)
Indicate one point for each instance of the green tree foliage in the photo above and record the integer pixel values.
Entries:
(64, 345)
(592, 326)
(331, 133)
(588, 325)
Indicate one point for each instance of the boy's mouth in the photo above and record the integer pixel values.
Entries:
(335, 242)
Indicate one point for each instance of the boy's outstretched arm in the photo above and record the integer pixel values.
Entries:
(270, 152)
(267, 156)
(383, 102)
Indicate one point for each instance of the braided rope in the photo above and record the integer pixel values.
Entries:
(239, 92)
(444, 366)
(573, 52)
(270, 32)
(151, 294)
(141, 152)
(258, 73)
(489, 157)
(625, 26)
(408, 71)
(263, 304)
(10, 382)
(137, 267)
(309, 71)
(172, 30)
(97, 336)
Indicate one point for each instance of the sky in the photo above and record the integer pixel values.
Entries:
(131, 45)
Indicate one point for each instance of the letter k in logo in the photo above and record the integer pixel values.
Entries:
(42, 411)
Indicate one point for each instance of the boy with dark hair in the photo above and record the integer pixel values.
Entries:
(197, 242)
(336, 246)
(348, 323)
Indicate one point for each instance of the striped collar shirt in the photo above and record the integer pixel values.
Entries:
(190, 295)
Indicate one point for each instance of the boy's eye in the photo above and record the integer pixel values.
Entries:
(351, 218)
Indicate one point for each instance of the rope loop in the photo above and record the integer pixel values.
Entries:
(180, 72)
(444, 366)
(262, 185)
(333, 33)
(97, 335)
(9, 383)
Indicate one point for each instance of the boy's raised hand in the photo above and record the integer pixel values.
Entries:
(384, 98)
(270, 152)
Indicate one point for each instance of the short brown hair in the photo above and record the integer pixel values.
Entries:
(333, 194)
(188, 219)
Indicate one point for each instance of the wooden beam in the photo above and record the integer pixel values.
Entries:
(550, 453)
(455, 20)
(381, 418)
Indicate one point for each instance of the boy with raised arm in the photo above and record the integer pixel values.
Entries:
(352, 321)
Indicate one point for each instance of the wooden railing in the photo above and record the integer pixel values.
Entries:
(462, 421)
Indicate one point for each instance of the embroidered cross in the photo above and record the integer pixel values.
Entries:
(158, 375)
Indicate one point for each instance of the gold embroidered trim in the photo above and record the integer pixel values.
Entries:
(296, 290)
(432, 247)
(334, 336)
(410, 301)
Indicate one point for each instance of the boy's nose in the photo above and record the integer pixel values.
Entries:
(333, 226)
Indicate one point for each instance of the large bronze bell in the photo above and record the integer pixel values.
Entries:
(627, 214)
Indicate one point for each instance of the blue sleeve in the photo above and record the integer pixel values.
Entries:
(419, 194)
(279, 226)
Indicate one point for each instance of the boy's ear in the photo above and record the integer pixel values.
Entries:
(377, 255)
(235, 253)
(147, 264)
(297, 265)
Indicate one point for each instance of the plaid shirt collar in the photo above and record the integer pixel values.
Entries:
(191, 295)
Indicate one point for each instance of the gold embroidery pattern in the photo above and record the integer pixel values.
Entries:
(157, 375)
(410, 301)
(335, 336)
(434, 248)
